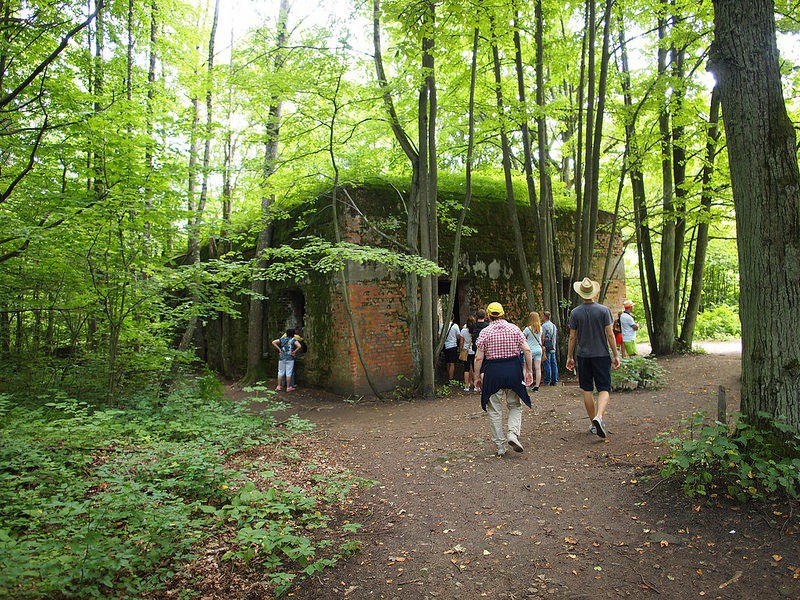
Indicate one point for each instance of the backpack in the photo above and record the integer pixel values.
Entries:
(548, 341)
(476, 331)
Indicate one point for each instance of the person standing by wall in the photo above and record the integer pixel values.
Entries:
(533, 335)
(549, 337)
(466, 354)
(288, 347)
(451, 345)
(591, 332)
(500, 377)
(629, 328)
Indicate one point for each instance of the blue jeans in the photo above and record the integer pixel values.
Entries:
(550, 365)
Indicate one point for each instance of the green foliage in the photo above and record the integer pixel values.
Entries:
(638, 372)
(287, 263)
(753, 462)
(719, 323)
(100, 502)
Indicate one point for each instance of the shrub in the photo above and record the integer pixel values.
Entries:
(753, 462)
(719, 323)
(638, 372)
(101, 502)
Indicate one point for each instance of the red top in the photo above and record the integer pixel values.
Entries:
(501, 339)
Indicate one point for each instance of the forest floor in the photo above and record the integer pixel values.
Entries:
(572, 516)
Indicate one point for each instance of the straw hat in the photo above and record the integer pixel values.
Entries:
(586, 289)
(627, 303)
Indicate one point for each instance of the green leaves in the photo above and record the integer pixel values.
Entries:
(316, 255)
(752, 463)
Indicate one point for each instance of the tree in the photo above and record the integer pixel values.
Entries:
(766, 190)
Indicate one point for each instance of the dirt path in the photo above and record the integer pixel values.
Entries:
(570, 517)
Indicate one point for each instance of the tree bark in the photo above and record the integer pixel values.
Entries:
(701, 245)
(662, 337)
(766, 191)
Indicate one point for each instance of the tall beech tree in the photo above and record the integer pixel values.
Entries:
(762, 150)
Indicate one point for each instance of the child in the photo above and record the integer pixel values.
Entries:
(287, 346)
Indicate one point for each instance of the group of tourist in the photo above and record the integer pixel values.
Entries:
(506, 360)
(540, 334)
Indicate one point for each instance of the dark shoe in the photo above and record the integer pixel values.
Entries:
(536, 388)
(601, 427)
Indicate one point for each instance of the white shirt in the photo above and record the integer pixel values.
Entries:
(466, 340)
(451, 341)
(626, 323)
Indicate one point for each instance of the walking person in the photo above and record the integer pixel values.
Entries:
(591, 335)
(533, 335)
(500, 377)
(629, 328)
(549, 336)
(466, 354)
(288, 347)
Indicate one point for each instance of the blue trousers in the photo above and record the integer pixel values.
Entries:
(550, 369)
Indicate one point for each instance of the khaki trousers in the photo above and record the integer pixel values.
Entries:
(495, 409)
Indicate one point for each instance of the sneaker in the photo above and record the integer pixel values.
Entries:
(513, 441)
(466, 388)
(278, 389)
(501, 452)
(600, 426)
(593, 430)
(536, 388)
(291, 389)
(554, 383)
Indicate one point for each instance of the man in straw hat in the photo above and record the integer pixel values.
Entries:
(590, 329)
(629, 328)
(499, 376)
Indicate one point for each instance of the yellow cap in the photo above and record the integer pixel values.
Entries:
(495, 309)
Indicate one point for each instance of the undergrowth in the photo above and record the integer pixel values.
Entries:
(97, 502)
(638, 372)
(754, 461)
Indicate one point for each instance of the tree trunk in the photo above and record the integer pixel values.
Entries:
(662, 337)
(428, 292)
(451, 296)
(519, 244)
(701, 245)
(647, 269)
(551, 259)
(258, 287)
(594, 204)
(766, 191)
(196, 215)
(412, 202)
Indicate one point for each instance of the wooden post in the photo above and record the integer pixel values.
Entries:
(722, 407)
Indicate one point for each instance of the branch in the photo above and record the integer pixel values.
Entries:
(6, 100)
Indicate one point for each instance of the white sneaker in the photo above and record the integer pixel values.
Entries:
(501, 452)
(513, 441)
(466, 389)
(600, 426)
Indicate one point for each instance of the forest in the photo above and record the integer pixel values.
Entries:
(150, 149)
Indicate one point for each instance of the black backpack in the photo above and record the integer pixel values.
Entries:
(476, 331)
